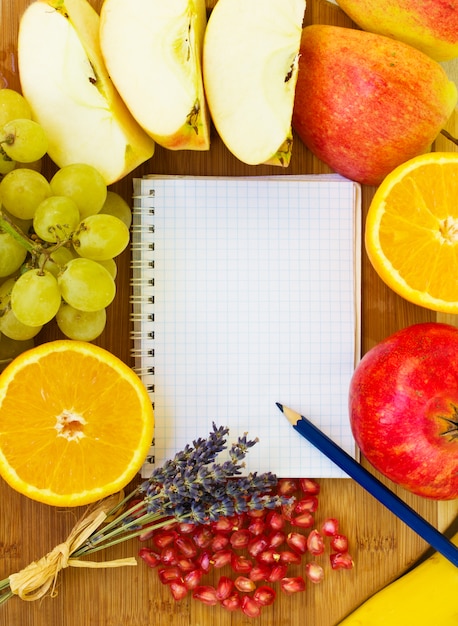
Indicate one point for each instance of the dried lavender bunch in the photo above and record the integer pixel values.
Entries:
(191, 487)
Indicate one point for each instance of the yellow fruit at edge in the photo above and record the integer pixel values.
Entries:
(424, 596)
(75, 423)
(412, 231)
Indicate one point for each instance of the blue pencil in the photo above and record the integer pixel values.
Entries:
(375, 487)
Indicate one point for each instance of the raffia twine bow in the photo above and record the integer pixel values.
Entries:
(34, 581)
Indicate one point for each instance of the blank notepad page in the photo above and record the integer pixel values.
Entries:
(253, 301)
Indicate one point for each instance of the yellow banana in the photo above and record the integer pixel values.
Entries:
(426, 595)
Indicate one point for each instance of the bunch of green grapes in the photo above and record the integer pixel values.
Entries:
(58, 238)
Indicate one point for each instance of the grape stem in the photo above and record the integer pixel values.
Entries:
(7, 225)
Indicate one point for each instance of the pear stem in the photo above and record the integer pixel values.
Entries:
(449, 136)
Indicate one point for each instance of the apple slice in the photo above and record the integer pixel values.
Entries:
(250, 66)
(153, 50)
(65, 81)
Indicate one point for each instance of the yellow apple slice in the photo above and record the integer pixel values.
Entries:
(153, 50)
(66, 83)
(250, 65)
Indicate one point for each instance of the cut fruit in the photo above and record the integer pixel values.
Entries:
(66, 83)
(153, 51)
(250, 66)
(412, 231)
(76, 423)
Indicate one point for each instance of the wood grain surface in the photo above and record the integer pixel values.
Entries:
(381, 545)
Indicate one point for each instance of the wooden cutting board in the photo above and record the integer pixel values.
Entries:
(381, 545)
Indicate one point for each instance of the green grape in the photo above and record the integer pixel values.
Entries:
(12, 254)
(24, 140)
(80, 325)
(110, 265)
(10, 326)
(100, 237)
(57, 260)
(7, 164)
(84, 184)
(56, 218)
(10, 348)
(13, 106)
(117, 206)
(22, 190)
(86, 285)
(35, 298)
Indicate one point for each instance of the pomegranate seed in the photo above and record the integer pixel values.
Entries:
(151, 558)
(240, 538)
(169, 556)
(276, 539)
(250, 607)
(202, 536)
(257, 526)
(193, 578)
(277, 572)
(206, 594)
(256, 513)
(186, 528)
(167, 574)
(232, 603)
(264, 595)
(242, 583)
(292, 585)
(186, 565)
(222, 525)
(275, 520)
(339, 543)
(341, 560)
(297, 542)
(286, 486)
(178, 589)
(309, 503)
(221, 558)
(257, 545)
(287, 510)
(203, 560)
(165, 538)
(186, 547)
(309, 486)
(241, 564)
(314, 572)
(330, 527)
(288, 557)
(315, 544)
(261, 571)
(269, 557)
(304, 520)
(219, 542)
(224, 588)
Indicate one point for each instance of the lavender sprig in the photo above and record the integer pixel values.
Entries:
(192, 487)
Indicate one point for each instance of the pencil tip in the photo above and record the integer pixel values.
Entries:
(280, 406)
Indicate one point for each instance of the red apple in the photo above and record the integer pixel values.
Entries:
(403, 405)
(365, 103)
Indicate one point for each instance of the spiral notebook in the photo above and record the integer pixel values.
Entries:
(245, 292)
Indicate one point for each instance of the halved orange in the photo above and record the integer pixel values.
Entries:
(75, 423)
(411, 233)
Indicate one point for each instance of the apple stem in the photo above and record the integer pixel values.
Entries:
(449, 136)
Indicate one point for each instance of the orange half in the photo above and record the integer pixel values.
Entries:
(411, 231)
(75, 423)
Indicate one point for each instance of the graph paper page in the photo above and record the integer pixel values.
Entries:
(253, 293)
